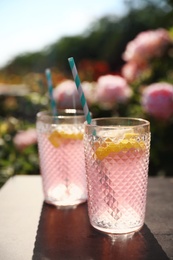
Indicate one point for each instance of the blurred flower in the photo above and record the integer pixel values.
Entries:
(8, 126)
(147, 45)
(157, 100)
(89, 89)
(10, 103)
(112, 89)
(91, 70)
(3, 128)
(34, 97)
(66, 95)
(24, 139)
(131, 71)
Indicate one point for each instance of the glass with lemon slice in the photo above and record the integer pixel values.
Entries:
(117, 158)
(61, 154)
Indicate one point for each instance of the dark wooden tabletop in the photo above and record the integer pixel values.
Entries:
(31, 229)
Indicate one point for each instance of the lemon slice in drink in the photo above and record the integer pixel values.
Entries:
(57, 137)
(109, 147)
(75, 136)
(54, 138)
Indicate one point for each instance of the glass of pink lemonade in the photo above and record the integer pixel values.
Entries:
(61, 154)
(117, 158)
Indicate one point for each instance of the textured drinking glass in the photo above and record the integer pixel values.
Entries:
(61, 154)
(117, 158)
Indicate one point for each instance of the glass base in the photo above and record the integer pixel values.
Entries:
(65, 203)
(118, 231)
(62, 196)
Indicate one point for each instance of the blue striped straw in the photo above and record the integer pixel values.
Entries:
(80, 90)
(50, 90)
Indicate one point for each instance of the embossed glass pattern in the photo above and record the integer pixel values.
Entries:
(117, 158)
(61, 153)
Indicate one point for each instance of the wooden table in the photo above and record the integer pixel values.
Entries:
(30, 229)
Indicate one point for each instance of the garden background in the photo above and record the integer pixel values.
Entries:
(126, 68)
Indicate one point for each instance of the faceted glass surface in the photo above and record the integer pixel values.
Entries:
(61, 154)
(117, 173)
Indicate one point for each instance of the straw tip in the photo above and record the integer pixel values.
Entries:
(70, 58)
(47, 71)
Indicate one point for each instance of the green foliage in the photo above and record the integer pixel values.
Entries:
(14, 161)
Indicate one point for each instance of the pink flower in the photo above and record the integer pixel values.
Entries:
(66, 95)
(132, 71)
(112, 89)
(157, 100)
(24, 139)
(147, 45)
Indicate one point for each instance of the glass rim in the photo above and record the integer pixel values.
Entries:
(142, 122)
(63, 113)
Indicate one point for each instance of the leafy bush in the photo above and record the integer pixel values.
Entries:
(15, 159)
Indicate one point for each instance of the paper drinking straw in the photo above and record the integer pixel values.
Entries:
(50, 90)
(80, 90)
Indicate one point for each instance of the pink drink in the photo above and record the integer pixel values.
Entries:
(62, 163)
(117, 174)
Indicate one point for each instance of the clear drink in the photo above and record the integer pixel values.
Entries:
(61, 156)
(117, 157)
